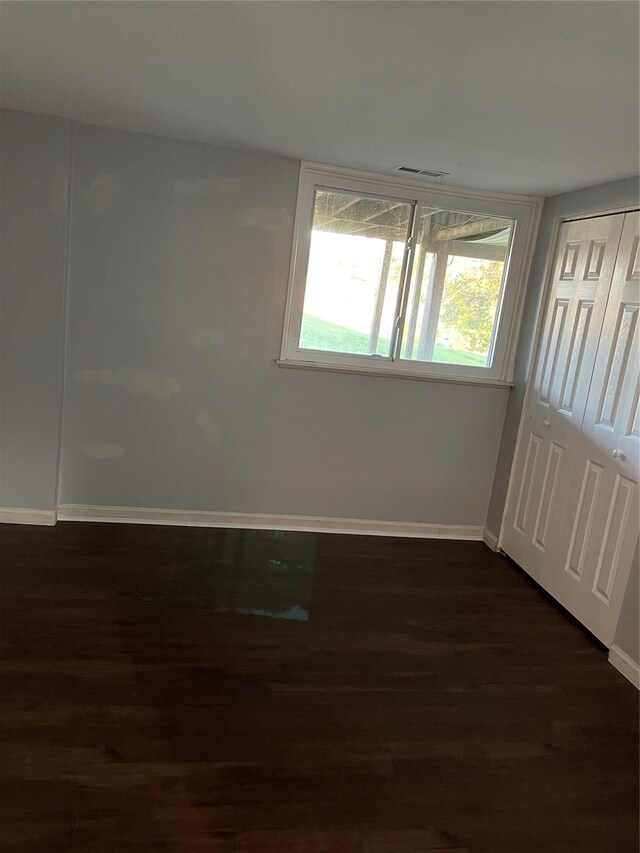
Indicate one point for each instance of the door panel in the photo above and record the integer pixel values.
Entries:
(577, 346)
(547, 496)
(615, 530)
(584, 514)
(555, 408)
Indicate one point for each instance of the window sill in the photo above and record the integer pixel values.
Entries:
(397, 374)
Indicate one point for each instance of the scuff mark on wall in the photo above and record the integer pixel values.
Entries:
(102, 193)
(102, 450)
(207, 337)
(206, 186)
(59, 191)
(269, 218)
(209, 427)
(135, 381)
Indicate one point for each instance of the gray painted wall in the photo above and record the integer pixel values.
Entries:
(34, 163)
(179, 262)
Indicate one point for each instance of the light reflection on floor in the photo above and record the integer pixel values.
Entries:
(299, 614)
(270, 575)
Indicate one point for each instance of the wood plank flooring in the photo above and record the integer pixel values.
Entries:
(185, 689)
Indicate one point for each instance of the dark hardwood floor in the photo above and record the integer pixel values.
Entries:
(185, 689)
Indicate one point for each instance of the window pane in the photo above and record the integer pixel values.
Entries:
(353, 278)
(455, 288)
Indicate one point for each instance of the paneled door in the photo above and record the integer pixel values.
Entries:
(590, 570)
(533, 528)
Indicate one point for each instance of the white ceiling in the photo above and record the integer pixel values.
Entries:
(535, 97)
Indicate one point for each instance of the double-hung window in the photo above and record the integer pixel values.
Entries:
(395, 276)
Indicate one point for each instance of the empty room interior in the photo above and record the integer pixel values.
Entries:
(319, 426)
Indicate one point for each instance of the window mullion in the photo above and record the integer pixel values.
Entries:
(405, 283)
(374, 331)
(432, 304)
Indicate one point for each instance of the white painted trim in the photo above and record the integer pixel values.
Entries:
(490, 539)
(420, 375)
(625, 665)
(261, 521)
(27, 516)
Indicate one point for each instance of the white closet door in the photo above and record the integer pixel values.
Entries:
(534, 528)
(590, 571)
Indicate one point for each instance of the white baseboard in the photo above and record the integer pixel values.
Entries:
(27, 516)
(490, 539)
(260, 521)
(624, 664)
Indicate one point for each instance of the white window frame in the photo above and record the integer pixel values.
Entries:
(524, 210)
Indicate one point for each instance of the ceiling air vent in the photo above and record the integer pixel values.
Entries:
(430, 173)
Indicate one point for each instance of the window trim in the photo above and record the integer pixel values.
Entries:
(524, 210)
